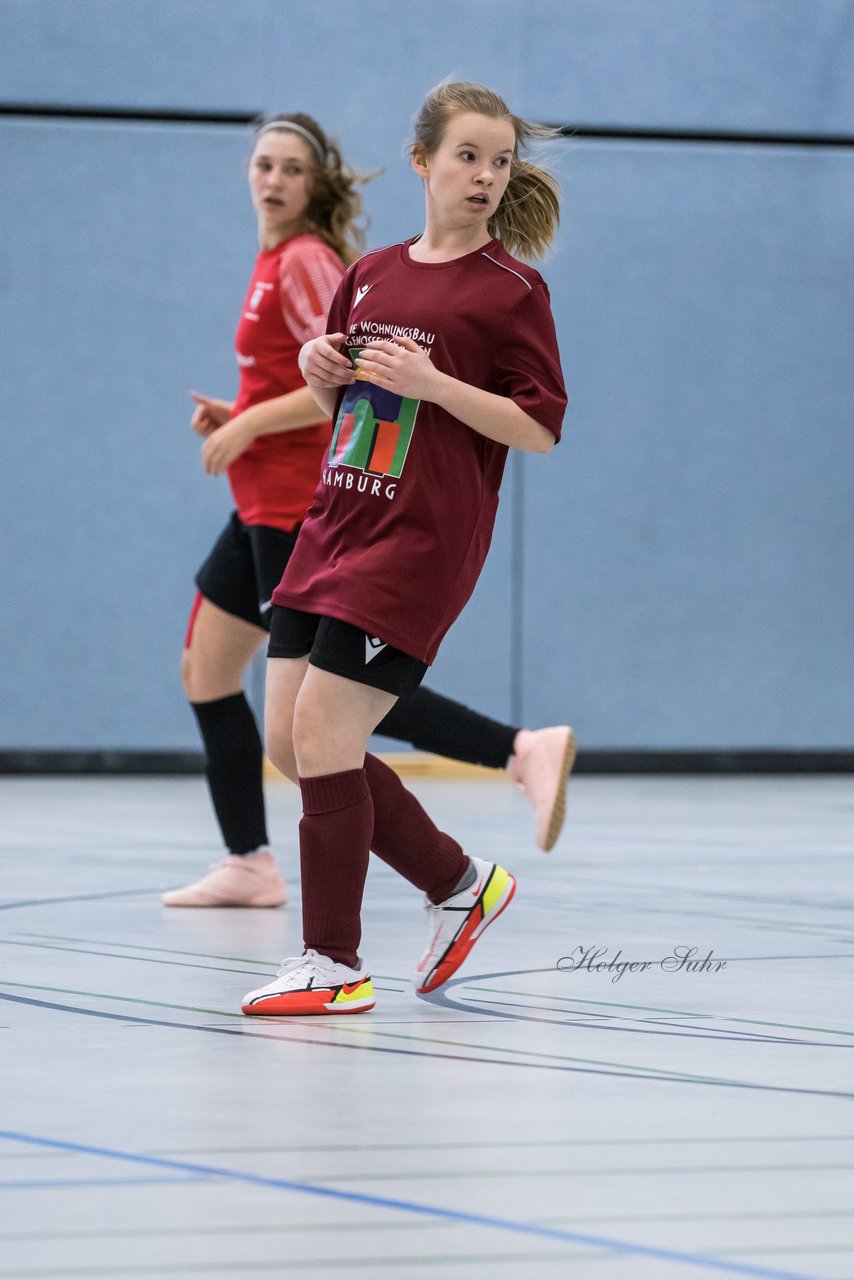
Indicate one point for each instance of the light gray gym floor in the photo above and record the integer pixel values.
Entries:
(526, 1122)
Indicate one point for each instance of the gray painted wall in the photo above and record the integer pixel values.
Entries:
(685, 554)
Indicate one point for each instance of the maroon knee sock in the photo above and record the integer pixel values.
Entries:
(407, 838)
(335, 841)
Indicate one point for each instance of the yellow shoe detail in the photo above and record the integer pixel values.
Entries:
(364, 991)
(497, 886)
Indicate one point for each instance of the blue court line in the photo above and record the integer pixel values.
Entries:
(650, 1077)
(416, 1207)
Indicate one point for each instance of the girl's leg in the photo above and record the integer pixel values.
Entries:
(218, 650)
(317, 725)
(539, 760)
(432, 722)
(333, 719)
(351, 804)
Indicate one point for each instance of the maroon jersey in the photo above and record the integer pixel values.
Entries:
(287, 302)
(402, 519)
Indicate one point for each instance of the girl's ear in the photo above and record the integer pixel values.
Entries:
(419, 161)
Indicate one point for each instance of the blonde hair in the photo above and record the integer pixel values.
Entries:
(335, 206)
(527, 218)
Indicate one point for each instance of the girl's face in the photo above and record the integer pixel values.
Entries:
(280, 173)
(466, 177)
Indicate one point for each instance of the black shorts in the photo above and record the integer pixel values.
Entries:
(344, 650)
(244, 568)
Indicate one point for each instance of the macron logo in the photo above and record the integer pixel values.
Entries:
(360, 293)
(373, 646)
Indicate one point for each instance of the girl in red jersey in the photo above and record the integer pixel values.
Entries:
(441, 354)
(271, 441)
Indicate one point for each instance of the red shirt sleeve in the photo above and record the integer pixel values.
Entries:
(528, 365)
(309, 276)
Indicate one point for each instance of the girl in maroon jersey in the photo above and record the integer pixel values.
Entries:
(271, 441)
(441, 354)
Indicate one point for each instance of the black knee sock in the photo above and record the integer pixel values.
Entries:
(433, 723)
(234, 768)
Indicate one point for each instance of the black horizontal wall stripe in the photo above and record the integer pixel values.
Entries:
(145, 115)
(749, 138)
(720, 760)
(613, 133)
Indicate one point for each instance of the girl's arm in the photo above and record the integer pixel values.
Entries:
(290, 412)
(209, 413)
(404, 368)
(496, 417)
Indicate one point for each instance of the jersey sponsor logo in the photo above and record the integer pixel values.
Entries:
(367, 331)
(373, 647)
(360, 293)
(373, 430)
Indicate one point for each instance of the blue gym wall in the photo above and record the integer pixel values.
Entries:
(677, 574)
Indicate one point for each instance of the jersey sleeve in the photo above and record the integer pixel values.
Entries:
(528, 363)
(308, 278)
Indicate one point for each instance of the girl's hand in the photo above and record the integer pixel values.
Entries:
(225, 444)
(322, 364)
(400, 366)
(209, 414)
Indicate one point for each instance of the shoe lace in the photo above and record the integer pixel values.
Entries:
(309, 960)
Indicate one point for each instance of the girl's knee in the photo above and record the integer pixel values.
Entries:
(280, 750)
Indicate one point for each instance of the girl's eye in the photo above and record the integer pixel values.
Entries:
(467, 155)
(502, 162)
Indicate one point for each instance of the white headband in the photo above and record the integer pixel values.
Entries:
(295, 128)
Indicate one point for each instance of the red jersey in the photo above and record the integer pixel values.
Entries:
(286, 304)
(402, 519)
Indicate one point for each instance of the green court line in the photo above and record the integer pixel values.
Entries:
(648, 1008)
(719, 1216)
(451, 1175)
(275, 1228)
(650, 1073)
(136, 946)
(104, 995)
(682, 1013)
(241, 1267)
(822, 929)
(706, 1026)
(176, 951)
(847, 1249)
(483, 1146)
(206, 1229)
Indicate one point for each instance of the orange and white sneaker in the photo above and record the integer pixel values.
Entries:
(455, 925)
(541, 765)
(312, 983)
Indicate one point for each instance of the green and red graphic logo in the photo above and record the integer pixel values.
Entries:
(373, 430)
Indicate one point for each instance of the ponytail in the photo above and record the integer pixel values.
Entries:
(527, 218)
